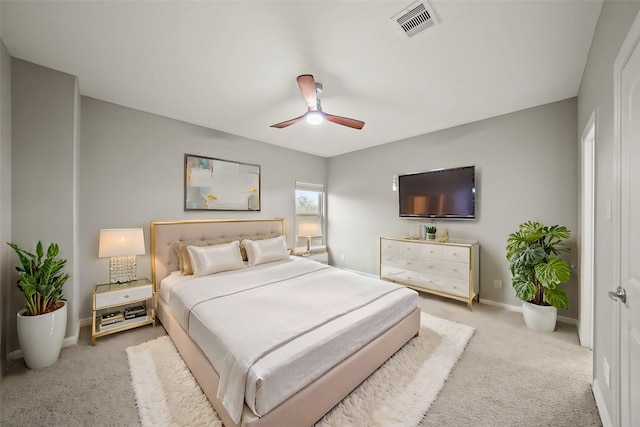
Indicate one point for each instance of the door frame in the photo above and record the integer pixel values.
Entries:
(587, 230)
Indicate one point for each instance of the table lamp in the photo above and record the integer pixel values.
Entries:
(309, 230)
(121, 246)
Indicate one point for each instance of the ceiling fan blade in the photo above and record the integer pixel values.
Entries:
(308, 88)
(288, 122)
(344, 121)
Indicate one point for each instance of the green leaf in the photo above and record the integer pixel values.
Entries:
(557, 298)
(529, 256)
(552, 273)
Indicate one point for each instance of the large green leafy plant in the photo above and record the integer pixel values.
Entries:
(40, 278)
(536, 270)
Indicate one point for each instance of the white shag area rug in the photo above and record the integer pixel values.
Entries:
(399, 393)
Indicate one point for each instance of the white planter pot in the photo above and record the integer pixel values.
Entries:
(41, 337)
(541, 318)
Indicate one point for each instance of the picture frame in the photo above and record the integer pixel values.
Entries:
(212, 184)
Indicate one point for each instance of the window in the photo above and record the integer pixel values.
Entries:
(309, 216)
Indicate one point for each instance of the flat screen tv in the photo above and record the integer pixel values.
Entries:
(440, 193)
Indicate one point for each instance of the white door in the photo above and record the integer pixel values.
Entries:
(629, 238)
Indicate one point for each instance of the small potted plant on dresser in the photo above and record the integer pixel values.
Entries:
(431, 232)
(537, 272)
(43, 322)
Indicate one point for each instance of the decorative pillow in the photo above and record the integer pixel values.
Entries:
(243, 250)
(185, 259)
(267, 250)
(215, 258)
(176, 249)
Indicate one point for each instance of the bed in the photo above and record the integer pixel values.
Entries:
(306, 373)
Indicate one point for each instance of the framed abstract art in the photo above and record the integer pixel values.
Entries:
(220, 185)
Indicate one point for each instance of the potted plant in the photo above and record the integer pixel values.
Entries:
(43, 322)
(431, 232)
(537, 272)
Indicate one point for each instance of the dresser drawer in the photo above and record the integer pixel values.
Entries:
(399, 274)
(431, 251)
(405, 248)
(455, 254)
(123, 296)
(445, 268)
(401, 261)
(442, 284)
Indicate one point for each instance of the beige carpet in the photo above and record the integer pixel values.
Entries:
(397, 394)
(507, 376)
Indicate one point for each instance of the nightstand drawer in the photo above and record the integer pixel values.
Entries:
(123, 296)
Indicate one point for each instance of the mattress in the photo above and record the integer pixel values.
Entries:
(279, 373)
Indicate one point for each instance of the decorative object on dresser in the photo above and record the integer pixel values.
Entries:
(121, 306)
(450, 269)
(443, 237)
(121, 246)
(430, 232)
(537, 272)
(43, 322)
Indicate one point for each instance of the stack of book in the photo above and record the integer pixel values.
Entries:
(111, 318)
(136, 311)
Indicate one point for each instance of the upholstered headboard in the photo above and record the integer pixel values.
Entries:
(165, 233)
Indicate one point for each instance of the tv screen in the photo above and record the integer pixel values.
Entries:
(441, 193)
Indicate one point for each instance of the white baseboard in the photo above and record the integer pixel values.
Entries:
(518, 308)
(600, 404)
(85, 322)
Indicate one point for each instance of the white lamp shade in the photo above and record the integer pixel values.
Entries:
(309, 229)
(121, 242)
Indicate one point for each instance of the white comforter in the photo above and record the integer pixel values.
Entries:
(256, 311)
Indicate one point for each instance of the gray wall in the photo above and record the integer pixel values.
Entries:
(5, 200)
(526, 169)
(596, 92)
(132, 172)
(43, 189)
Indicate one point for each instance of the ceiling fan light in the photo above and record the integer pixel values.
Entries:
(314, 117)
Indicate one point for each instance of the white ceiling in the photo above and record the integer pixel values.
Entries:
(232, 65)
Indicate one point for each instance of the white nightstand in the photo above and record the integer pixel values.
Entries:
(118, 297)
(322, 257)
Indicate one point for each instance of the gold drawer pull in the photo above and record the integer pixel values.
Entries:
(126, 296)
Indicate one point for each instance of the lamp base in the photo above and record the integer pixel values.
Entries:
(122, 269)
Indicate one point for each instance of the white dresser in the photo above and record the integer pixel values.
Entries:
(449, 269)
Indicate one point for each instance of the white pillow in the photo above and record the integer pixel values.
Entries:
(267, 250)
(215, 258)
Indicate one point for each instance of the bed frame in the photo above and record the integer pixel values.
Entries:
(309, 404)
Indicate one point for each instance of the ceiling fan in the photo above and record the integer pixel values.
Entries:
(310, 90)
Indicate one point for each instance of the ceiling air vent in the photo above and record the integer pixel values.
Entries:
(415, 19)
